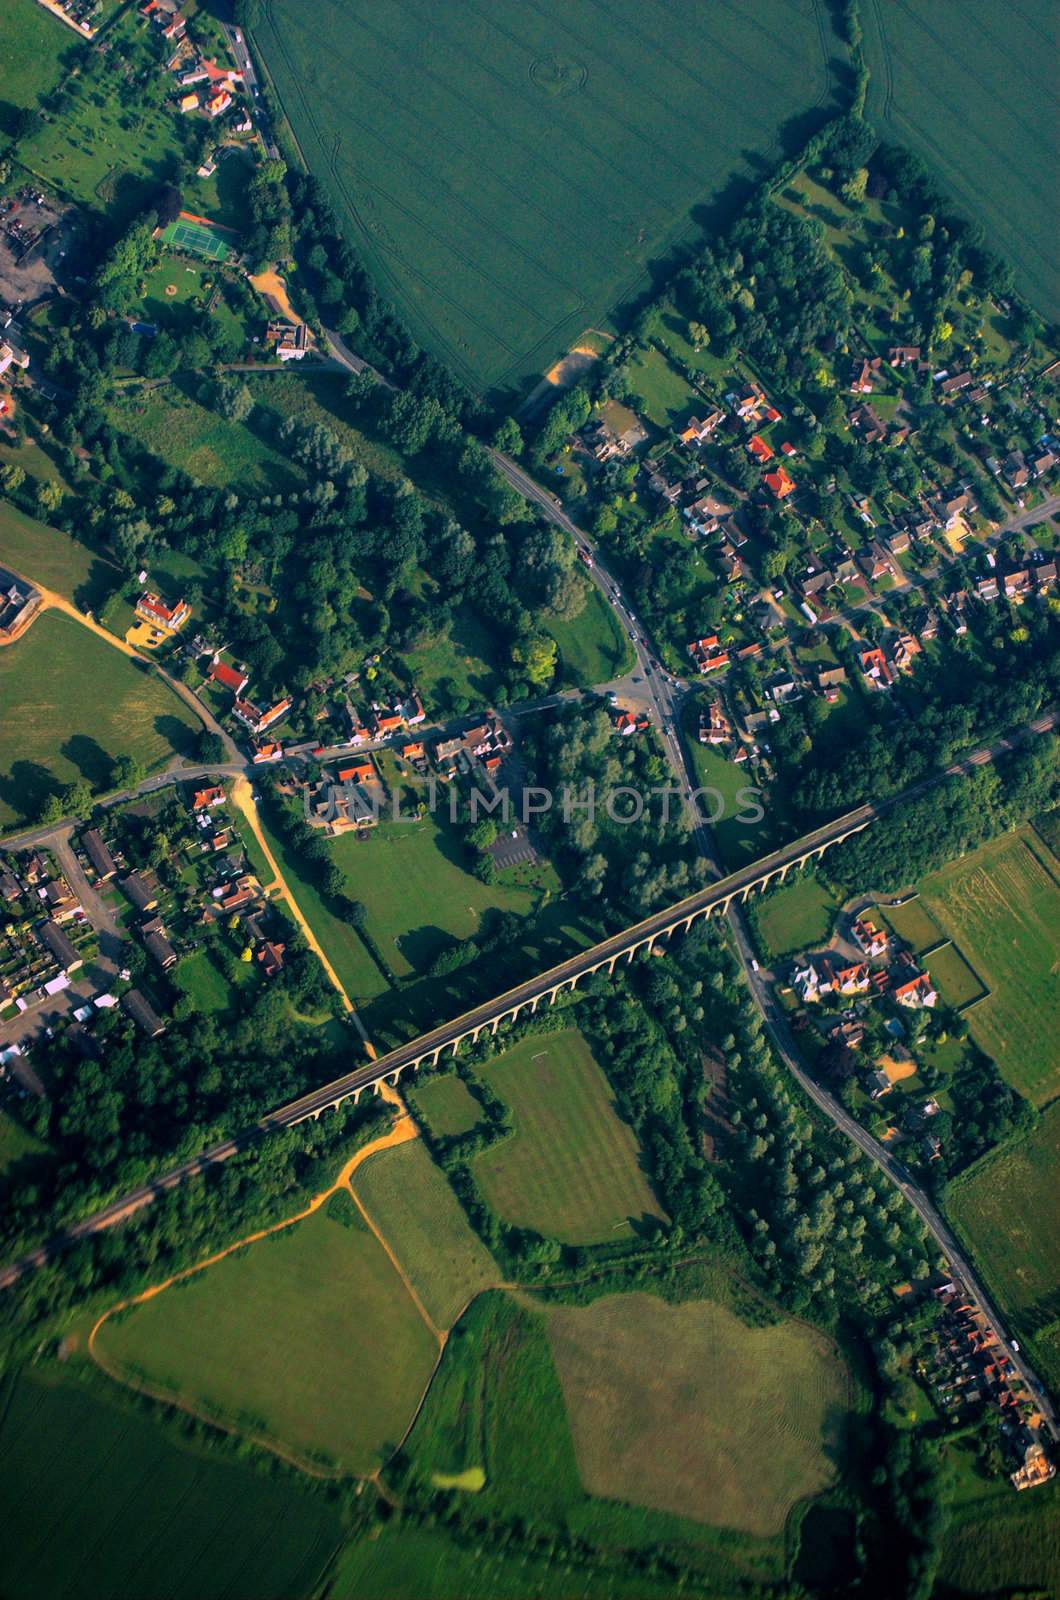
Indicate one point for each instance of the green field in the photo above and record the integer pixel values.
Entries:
(100, 1501)
(410, 1201)
(120, 136)
(15, 1142)
(535, 161)
(926, 57)
(45, 555)
(686, 1409)
(954, 979)
(446, 1105)
(913, 923)
(202, 443)
(1002, 907)
(35, 50)
(309, 1338)
(798, 916)
(71, 704)
(572, 1168)
(738, 842)
(1006, 1208)
(998, 1543)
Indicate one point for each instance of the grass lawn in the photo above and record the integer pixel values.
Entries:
(71, 704)
(35, 51)
(200, 978)
(223, 196)
(738, 842)
(922, 59)
(447, 1105)
(1006, 1208)
(463, 659)
(1002, 907)
(914, 923)
(15, 1142)
(409, 1199)
(686, 1409)
(798, 916)
(309, 1336)
(593, 648)
(202, 443)
(100, 1500)
(953, 977)
(572, 1168)
(44, 555)
(498, 259)
(666, 397)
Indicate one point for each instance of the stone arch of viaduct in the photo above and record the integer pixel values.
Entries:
(431, 1047)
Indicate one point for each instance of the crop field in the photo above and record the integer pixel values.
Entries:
(998, 1543)
(446, 1105)
(71, 704)
(1006, 1208)
(1002, 907)
(686, 1409)
(572, 1168)
(927, 58)
(99, 1500)
(535, 161)
(308, 1337)
(800, 915)
(410, 1201)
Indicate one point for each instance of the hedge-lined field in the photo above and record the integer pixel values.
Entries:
(510, 172)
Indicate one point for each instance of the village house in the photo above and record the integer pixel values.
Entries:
(897, 541)
(815, 582)
(1018, 585)
(58, 946)
(1042, 464)
(699, 429)
(99, 856)
(915, 992)
(625, 724)
(867, 423)
(874, 665)
(986, 588)
(731, 564)
(338, 807)
(268, 750)
(904, 651)
(863, 374)
(207, 799)
(874, 561)
(12, 356)
(779, 483)
(232, 897)
(135, 1005)
(271, 958)
(870, 940)
(714, 725)
(708, 654)
(608, 443)
(289, 341)
(829, 682)
(256, 720)
(142, 893)
(233, 678)
(664, 488)
(810, 983)
(701, 517)
(749, 401)
(19, 603)
(951, 509)
(153, 609)
(1015, 470)
(60, 900)
(903, 355)
(948, 387)
(878, 1084)
(160, 950)
(1045, 575)
(759, 448)
(854, 979)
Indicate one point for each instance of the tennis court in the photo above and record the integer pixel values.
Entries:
(197, 239)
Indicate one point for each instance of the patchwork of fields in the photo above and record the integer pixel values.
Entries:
(572, 1168)
(1001, 906)
(972, 89)
(71, 704)
(511, 173)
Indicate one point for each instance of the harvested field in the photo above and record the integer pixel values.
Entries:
(686, 1409)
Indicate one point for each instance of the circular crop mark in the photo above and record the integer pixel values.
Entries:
(558, 75)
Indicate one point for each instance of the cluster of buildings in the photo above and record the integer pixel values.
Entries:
(482, 748)
(969, 1368)
(19, 604)
(42, 918)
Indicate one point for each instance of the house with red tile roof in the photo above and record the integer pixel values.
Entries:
(780, 483)
(874, 664)
(269, 750)
(229, 677)
(759, 448)
(363, 772)
(916, 993)
(152, 608)
(206, 799)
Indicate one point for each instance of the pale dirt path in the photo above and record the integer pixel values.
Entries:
(271, 284)
(400, 1133)
(243, 800)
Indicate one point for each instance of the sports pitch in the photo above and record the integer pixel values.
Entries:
(197, 239)
(511, 171)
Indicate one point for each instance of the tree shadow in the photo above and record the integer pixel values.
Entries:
(89, 757)
(26, 786)
(420, 946)
(177, 734)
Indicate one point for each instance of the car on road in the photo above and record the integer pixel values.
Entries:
(632, 635)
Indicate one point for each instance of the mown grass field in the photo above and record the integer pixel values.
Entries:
(71, 704)
(99, 1500)
(798, 916)
(308, 1337)
(15, 1141)
(446, 1105)
(47, 556)
(927, 58)
(572, 1168)
(996, 1542)
(1002, 907)
(686, 1409)
(535, 161)
(738, 841)
(410, 1201)
(1006, 1209)
(592, 647)
(913, 923)
(34, 51)
(953, 977)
